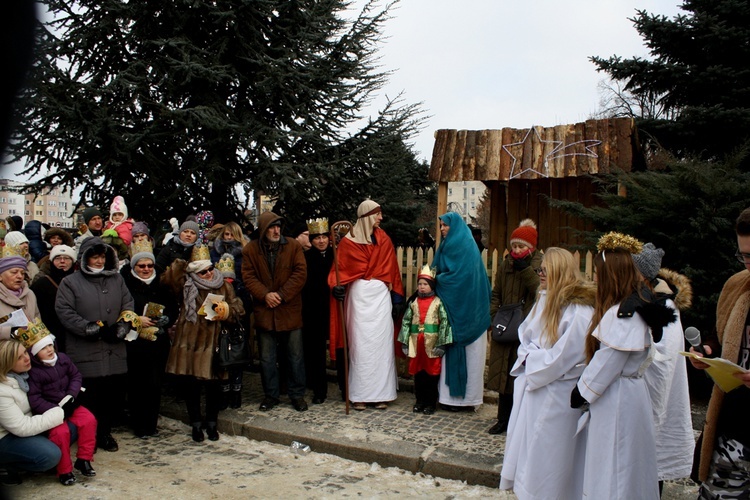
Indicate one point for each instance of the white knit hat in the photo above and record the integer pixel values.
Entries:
(42, 343)
(65, 250)
(15, 238)
(118, 207)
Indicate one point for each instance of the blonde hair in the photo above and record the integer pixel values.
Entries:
(563, 277)
(8, 356)
(236, 231)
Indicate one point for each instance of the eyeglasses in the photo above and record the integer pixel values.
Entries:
(742, 257)
(144, 266)
(541, 271)
(205, 271)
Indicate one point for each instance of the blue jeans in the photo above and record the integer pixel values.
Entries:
(34, 453)
(269, 371)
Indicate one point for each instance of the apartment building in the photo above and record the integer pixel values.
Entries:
(52, 207)
(463, 198)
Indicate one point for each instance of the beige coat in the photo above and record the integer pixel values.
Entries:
(731, 313)
(9, 303)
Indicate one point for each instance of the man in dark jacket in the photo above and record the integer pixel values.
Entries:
(274, 272)
(89, 303)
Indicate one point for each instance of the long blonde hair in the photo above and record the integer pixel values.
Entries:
(563, 277)
(8, 356)
(236, 231)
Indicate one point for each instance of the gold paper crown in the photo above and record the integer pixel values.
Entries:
(9, 251)
(132, 318)
(200, 252)
(226, 264)
(613, 240)
(141, 246)
(33, 333)
(426, 272)
(317, 226)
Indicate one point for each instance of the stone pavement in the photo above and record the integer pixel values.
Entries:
(446, 445)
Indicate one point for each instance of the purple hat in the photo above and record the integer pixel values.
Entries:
(12, 263)
(140, 228)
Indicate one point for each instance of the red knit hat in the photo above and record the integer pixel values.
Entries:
(525, 234)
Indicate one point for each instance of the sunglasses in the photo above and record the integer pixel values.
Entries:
(205, 271)
(144, 266)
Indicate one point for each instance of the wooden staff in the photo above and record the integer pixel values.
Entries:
(344, 224)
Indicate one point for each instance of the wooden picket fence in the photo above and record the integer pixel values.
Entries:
(412, 260)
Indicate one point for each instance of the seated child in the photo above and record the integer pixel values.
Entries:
(119, 221)
(54, 380)
(425, 332)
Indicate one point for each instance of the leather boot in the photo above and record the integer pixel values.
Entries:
(504, 407)
(235, 399)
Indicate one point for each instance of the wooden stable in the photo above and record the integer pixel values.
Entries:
(522, 167)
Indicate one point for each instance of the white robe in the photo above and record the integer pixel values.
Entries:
(667, 383)
(370, 334)
(476, 355)
(620, 448)
(543, 453)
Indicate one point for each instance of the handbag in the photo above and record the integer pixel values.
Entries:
(506, 322)
(232, 348)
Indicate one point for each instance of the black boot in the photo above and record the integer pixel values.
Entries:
(211, 431)
(505, 404)
(197, 432)
(224, 401)
(235, 399)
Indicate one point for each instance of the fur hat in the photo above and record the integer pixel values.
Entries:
(15, 222)
(15, 238)
(525, 234)
(65, 250)
(118, 207)
(648, 261)
(140, 228)
(89, 213)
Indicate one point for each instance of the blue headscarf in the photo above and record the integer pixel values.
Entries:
(464, 288)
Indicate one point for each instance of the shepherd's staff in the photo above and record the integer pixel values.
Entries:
(342, 318)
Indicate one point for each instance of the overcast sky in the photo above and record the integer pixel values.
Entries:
(483, 64)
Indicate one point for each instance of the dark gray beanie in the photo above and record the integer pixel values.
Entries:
(648, 261)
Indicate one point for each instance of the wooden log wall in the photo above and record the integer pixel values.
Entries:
(516, 200)
(590, 147)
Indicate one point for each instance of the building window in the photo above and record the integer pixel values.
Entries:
(11, 212)
(28, 203)
(27, 212)
(473, 205)
(450, 191)
(473, 190)
(12, 201)
(39, 203)
(2, 200)
(465, 193)
(1, 211)
(39, 212)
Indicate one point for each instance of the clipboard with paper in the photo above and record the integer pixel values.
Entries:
(720, 370)
(16, 319)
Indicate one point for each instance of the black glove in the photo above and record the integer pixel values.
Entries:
(339, 292)
(521, 264)
(438, 352)
(577, 401)
(405, 349)
(115, 333)
(93, 331)
(121, 330)
(397, 310)
(69, 407)
(161, 321)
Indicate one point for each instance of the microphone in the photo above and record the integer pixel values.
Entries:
(693, 336)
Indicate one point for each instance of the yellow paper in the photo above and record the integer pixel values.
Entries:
(720, 370)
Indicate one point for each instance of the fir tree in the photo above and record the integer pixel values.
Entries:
(175, 104)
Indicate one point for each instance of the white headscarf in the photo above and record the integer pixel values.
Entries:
(365, 224)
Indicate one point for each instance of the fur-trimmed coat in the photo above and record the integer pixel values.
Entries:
(194, 345)
(731, 316)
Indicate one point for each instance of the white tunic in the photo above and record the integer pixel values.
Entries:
(543, 454)
(370, 334)
(667, 383)
(620, 458)
(476, 355)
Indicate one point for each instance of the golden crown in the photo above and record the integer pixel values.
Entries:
(132, 318)
(317, 226)
(226, 264)
(33, 333)
(613, 240)
(200, 252)
(141, 246)
(426, 272)
(9, 251)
